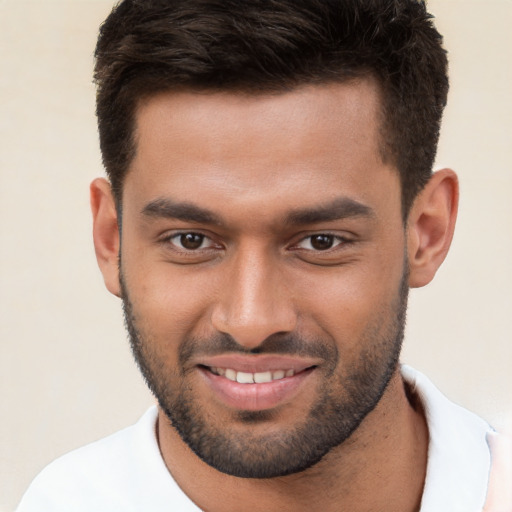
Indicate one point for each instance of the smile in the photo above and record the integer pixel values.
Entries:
(259, 389)
(252, 378)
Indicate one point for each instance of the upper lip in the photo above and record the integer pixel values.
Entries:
(258, 363)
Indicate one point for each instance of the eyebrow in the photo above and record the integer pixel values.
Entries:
(167, 208)
(340, 208)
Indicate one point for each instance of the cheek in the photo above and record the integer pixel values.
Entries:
(353, 305)
(170, 302)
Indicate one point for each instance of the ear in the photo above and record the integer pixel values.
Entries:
(106, 233)
(430, 226)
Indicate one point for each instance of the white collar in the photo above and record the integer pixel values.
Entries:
(458, 455)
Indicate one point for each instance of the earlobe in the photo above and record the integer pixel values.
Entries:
(106, 233)
(430, 226)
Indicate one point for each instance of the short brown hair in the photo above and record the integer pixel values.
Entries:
(258, 46)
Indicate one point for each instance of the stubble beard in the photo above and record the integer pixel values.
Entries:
(330, 422)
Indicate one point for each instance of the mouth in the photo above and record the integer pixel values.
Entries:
(251, 378)
(248, 385)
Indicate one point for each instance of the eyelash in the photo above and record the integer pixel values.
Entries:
(337, 241)
(169, 240)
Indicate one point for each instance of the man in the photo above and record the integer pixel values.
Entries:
(270, 202)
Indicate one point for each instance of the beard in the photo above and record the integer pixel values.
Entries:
(345, 396)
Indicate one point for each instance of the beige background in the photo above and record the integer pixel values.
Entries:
(66, 375)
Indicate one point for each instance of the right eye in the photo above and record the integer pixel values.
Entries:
(190, 241)
(189, 247)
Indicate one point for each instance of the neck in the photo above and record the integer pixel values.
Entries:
(381, 467)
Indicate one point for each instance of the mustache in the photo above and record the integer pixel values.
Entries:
(289, 344)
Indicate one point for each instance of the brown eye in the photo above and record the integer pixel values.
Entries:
(190, 247)
(321, 242)
(191, 241)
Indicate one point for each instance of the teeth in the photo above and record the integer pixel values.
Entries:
(263, 377)
(251, 378)
(245, 378)
(230, 374)
(278, 375)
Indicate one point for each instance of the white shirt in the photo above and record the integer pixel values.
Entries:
(125, 471)
(459, 459)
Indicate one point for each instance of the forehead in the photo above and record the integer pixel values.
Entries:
(208, 147)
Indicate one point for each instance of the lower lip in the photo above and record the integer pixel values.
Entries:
(255, 397)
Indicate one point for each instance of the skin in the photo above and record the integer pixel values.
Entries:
(252, 161)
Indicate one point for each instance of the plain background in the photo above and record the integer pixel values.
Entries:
(66, 374)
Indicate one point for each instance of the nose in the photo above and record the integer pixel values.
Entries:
(255, 300)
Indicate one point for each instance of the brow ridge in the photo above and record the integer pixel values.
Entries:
(170, 209)
(340, 208)
(337, 209)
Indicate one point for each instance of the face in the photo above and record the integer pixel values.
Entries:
(262, 270)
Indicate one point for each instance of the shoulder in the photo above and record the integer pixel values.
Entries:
(499, 496)
(123, 471)
(459, 458)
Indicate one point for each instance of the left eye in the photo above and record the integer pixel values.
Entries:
(320, 242)
(191, 241)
